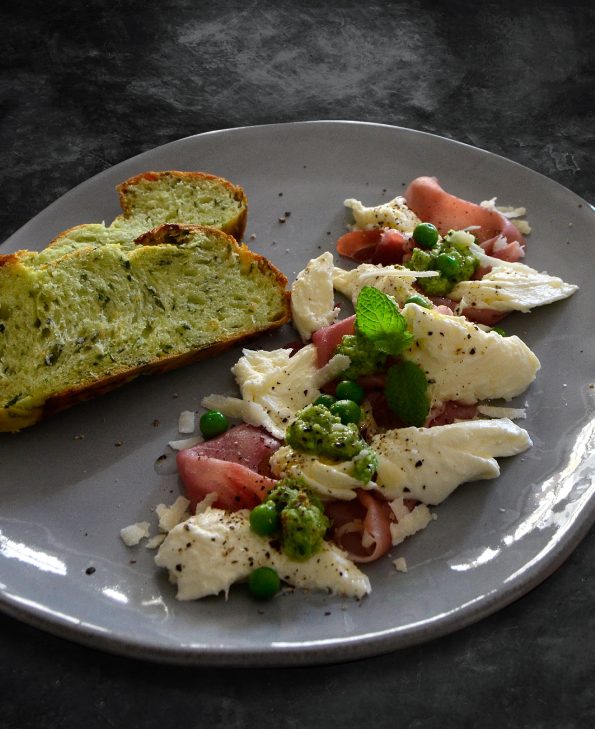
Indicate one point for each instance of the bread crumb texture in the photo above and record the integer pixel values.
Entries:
(103, 310)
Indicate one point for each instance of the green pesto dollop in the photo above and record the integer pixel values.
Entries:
(317, 431)
(453, 260)
(303, 522)
(366, 358)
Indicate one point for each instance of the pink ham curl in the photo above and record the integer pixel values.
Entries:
(375, 245)
(447, 212)
(362, 526)
(233, 465)
(327, 339)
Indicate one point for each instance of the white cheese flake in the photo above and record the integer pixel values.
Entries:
(132, 535)
(171, 515)
(186, 422)
(400, 564)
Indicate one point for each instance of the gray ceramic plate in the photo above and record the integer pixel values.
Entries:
(70, 484)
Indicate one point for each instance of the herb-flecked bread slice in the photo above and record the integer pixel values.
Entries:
(98, 317)
(151, 199)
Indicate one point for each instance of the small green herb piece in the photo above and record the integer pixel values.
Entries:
(377, 317)
(500, 331)
(420, 301)
(264, 583)
(406, 393)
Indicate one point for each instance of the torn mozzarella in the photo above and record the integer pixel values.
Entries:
(511, 287)
(464, 363)
(396, 281)
(328, 479)
(393, 214)
(312, 297)
(275, 385)
(427, 464)
(209, 552)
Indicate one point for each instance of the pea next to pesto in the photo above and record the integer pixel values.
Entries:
(317, 431)
(453, 261)
(301, 518)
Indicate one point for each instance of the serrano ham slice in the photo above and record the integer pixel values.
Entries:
(328, 338)
(376, 245)
(235, 465)
(236, 486)
(362, 527)
(434, 205)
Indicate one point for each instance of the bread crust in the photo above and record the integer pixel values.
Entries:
(236, 228)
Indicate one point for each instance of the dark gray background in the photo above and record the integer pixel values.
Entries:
(81, 90)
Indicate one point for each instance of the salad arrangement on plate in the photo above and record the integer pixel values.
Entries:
(345, 440)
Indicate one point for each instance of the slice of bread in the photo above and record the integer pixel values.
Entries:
(99, 316)
(151, 199)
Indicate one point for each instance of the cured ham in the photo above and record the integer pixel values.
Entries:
(233, 465)
(362, 527)
(236, 486)
(247, 445)
(328, 338)
(375, 245)
(447, 212)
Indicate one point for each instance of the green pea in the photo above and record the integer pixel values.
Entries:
(448, 264)
(348, 410)
(213, 423)
(426, 235)
(325, 400)
(264, 583)
(264, 519)
(420, 301)
(499, 331)
(349, 390)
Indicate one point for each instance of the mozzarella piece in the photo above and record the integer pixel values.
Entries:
(207, 553)
(396, 281)
(275, 385)
(328, 479)
(511, 287)
(393, 214)
(462, 362)
(312, 297)
(427, 464)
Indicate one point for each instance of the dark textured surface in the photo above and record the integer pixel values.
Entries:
(83, 90)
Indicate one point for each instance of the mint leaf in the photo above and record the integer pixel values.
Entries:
(377, 317)
(406, 393)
